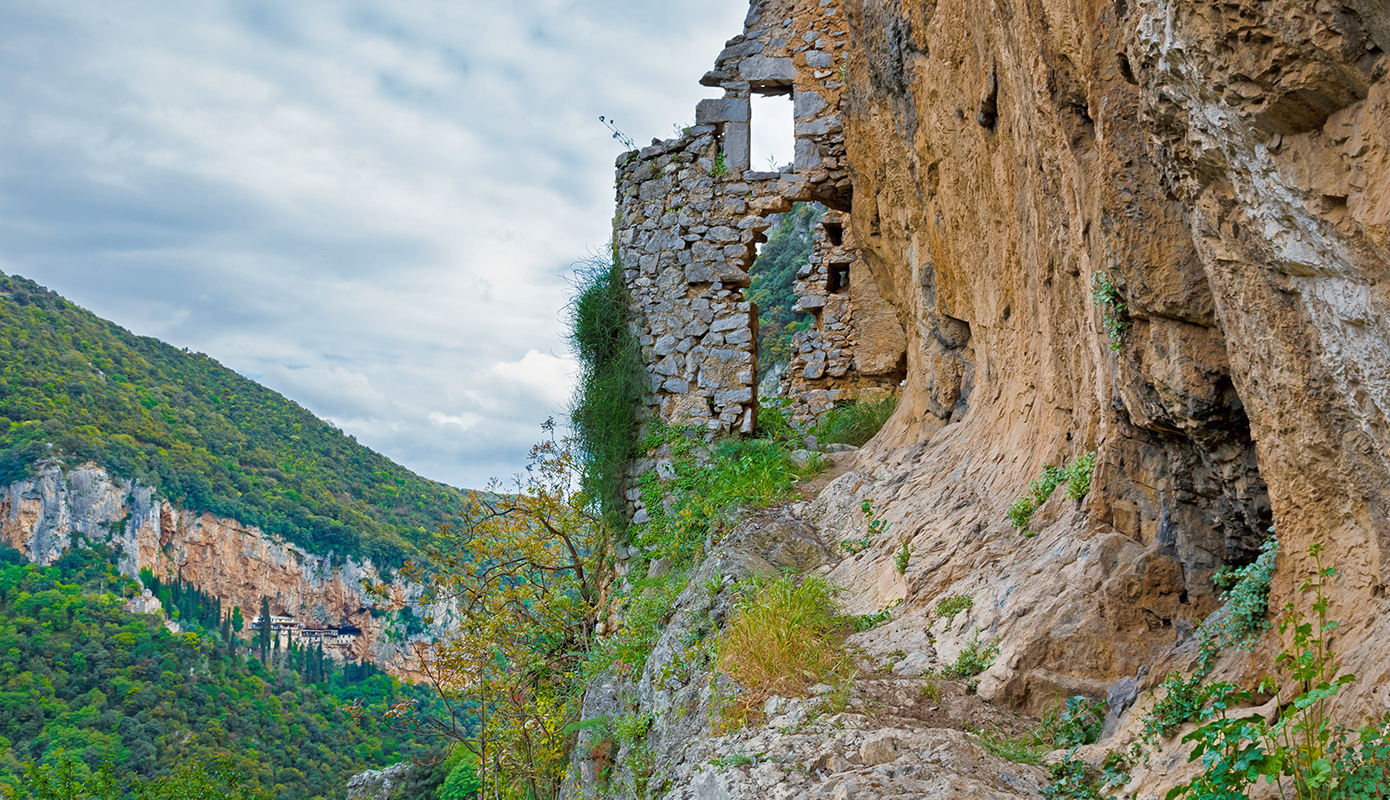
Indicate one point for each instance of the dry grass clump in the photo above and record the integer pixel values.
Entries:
(786, 635)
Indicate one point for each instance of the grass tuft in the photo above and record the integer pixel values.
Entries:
(784, 636)
(855, 423)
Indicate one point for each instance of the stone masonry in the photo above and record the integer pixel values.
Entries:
(691, 213)
(856, 350)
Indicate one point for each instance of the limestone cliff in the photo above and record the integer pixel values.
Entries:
(238, 563)
(1221, 173)
(1223, 164)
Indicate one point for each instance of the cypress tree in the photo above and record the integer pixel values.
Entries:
(264, 633)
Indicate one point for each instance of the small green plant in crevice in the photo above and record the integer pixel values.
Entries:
(737, 760)
(975, 658)
(1116, 319)
(870, 621)
(854, 423)
(903, 556)
(721, 167)
(855, 546)
(948, 607)
(931, 688)
(877, 526)
(632, 728)
(1079, 476)
(1076, 476)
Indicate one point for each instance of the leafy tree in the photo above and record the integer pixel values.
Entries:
(519, 573)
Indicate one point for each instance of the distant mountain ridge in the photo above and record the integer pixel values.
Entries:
(81, 389)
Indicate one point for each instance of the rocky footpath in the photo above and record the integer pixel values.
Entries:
(889, 731)
(238, 563)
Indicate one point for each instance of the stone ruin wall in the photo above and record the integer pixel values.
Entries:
(855, 349)
(692, 211)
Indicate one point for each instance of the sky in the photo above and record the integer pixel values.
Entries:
(374, 208)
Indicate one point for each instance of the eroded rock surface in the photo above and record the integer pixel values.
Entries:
(1157, 230)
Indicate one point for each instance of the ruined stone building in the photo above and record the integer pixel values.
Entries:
(692, 211)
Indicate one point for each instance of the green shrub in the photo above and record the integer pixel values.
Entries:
(1072, 779)
(611, 382)
(1242, 616)
(975, 658)
(1299, 749)
(854, 423)
(644, 619)
(632, 728)
(902, 558)
(1184, 700)
(1116, 320)
(462, 782)
(1076, 476)
(1079, 476)
(950, 606)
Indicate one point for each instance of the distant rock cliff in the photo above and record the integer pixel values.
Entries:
(238, 563)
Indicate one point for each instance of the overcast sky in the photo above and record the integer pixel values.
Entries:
(370, 207)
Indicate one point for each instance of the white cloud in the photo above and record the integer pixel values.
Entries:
(369, 207)
(549, 376)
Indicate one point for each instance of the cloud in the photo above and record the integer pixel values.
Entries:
(369, 207)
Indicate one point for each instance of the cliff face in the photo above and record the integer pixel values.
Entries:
(1157, 230)
(234, 562)
(1224, 165)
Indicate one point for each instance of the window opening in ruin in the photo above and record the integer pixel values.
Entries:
(774, 137)
(834, 233)
(837, 279)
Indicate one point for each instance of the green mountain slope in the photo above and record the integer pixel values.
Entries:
(79, 388)
(85, 683)
(788, 248)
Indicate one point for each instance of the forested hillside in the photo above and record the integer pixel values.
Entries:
(79, 388)
(774, 273)
(85, 683)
